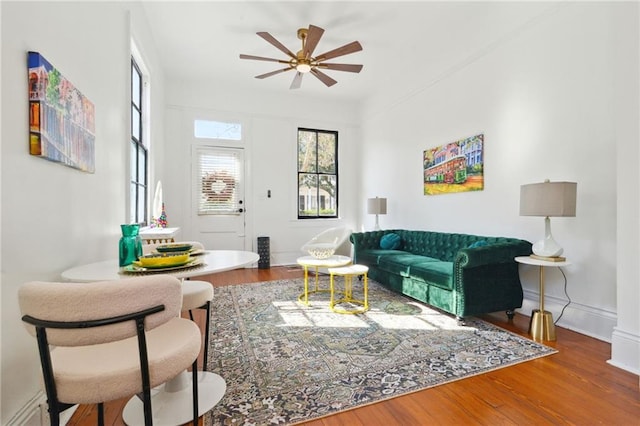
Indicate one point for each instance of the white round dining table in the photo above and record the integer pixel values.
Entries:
(171, 402)
(213, 261)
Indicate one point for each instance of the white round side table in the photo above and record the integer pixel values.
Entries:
(541, 325)
(310, 261)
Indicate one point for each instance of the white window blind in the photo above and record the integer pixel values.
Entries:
(217, 181)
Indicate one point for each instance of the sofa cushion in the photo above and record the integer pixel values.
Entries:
(390, 241)
(400, 263)
(372, 257)
(436, 273)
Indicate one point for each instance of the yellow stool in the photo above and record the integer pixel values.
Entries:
(348, 272)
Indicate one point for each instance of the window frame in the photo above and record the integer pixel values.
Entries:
(320, 200)
(139, 179)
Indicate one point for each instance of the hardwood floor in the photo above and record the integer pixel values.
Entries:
(574, 386)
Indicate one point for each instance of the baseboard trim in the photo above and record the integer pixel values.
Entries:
(588, 320)
(34, 413)
(625, 351)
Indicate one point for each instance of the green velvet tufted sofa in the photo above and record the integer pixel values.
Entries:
(461, 274)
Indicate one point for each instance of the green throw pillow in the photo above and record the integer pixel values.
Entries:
(390, 241)
(479, 243)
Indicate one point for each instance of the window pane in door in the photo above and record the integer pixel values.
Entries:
(219, 173)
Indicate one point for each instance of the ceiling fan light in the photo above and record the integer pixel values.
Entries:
(304, 68)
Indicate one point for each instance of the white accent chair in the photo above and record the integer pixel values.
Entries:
(325, 244)
(112, 339)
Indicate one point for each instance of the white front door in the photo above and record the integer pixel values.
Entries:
(218, 197)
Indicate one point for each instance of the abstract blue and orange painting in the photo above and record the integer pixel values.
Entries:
(61, 118)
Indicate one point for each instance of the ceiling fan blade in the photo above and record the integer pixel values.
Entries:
(341, 67)
(269, 38)
(261, 58)
(352, 47)
(313, 37)
(297, 81)
(269, 74)
(323, 77)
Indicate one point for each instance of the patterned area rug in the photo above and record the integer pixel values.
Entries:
(285, 362)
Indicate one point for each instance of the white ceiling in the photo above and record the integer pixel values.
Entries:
(406, 45)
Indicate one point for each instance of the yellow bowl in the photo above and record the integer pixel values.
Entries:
(163, 260)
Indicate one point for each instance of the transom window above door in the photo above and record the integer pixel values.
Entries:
(211, 129)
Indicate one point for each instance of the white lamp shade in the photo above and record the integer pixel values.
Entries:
(548, 199)
(377, 205)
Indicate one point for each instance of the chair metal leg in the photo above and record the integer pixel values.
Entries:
(205, 356)
(100, 414)
(54, 417)
(206, 336)
(194, 379)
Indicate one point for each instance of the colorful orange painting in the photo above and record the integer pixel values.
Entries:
(61, 119)
(455, 167)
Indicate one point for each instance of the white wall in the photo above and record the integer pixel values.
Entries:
(55, 217)
(270, 122)
(625, 350)
(544, 100)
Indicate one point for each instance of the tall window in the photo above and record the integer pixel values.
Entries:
(317, 174)
(138, 150)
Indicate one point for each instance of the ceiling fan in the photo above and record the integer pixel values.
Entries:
(303, 62)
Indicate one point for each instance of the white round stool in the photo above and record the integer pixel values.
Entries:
(198, 295)
(348, 272)
(172, 402)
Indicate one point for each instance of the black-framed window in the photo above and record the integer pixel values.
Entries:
(138, 159)
(317, 174)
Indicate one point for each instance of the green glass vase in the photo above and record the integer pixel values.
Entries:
(130, 244)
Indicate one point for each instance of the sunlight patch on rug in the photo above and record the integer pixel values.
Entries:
(285, 362)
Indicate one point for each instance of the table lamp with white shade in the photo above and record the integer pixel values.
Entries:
(548, 199)
(377, 206)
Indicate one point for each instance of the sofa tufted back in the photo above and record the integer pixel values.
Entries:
(439, 245)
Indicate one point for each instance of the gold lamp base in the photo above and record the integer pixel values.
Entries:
(541, 326)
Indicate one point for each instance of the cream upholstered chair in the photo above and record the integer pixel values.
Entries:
(196, 294)
(113, 339)
(326, 243)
